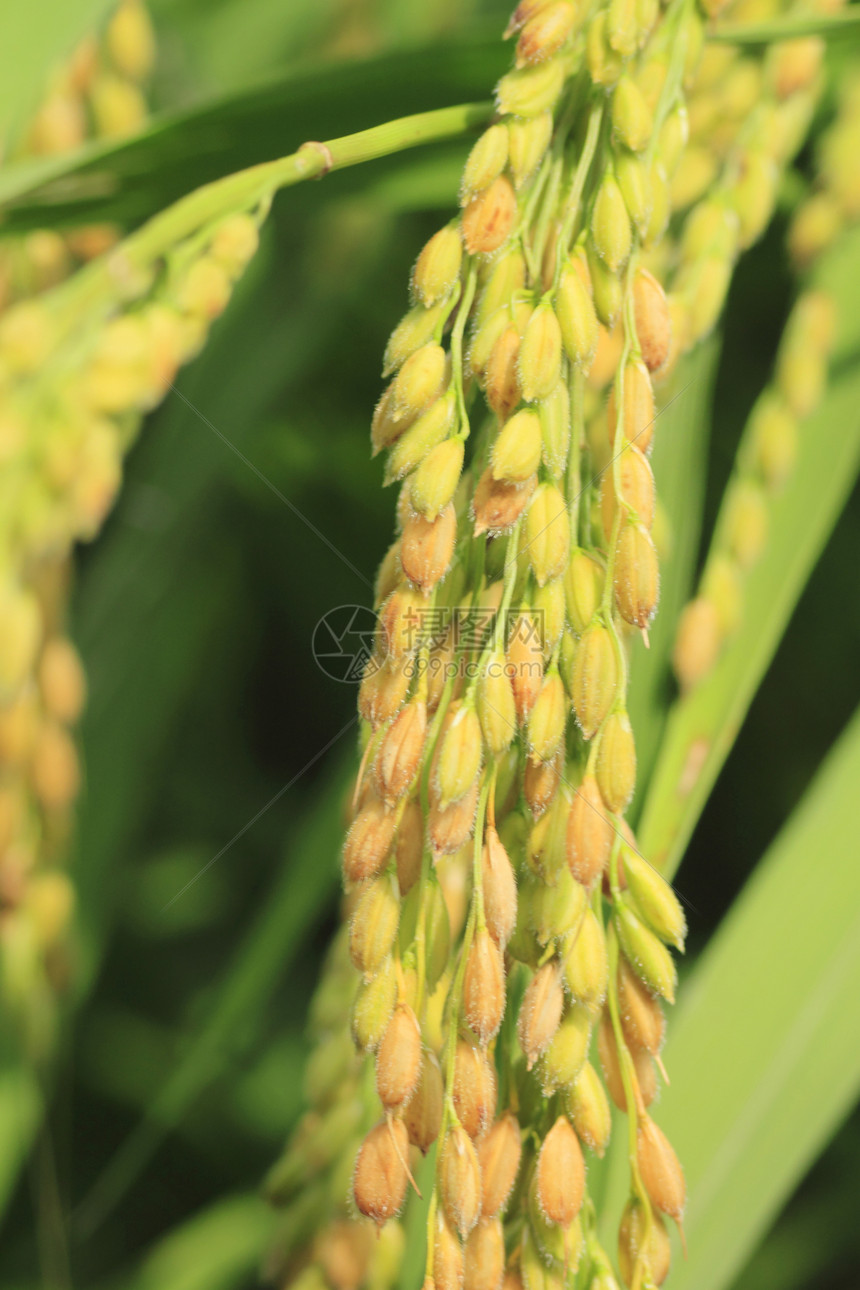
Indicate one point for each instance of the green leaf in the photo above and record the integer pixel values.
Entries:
(287, 917)
(179, 472)
(764, 1054)
(703, 726)
(33, 38)
(215, 1250)
(827, 26)
(158, 553)
(262, 1096)
(680, 463)
(133, 180)
(20, 1116)
(793, 1254)
(429, 180)
(227, 43)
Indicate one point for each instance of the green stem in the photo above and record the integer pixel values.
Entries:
(457, 346)
(426, 857)
(431, 1234)
(510, 582)
(475, 922)
(625, 1062)
(527, 212)
(674, 82)
(534, 252)
(574, 197)
(631, 1091)
(630, 345)
(456, 999)
(574, 465)
(246, 188)
(487, 787)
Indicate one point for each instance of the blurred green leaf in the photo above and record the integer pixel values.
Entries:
(133, 180)
(148, 601)
(147, 1051)
(703, 726)
(148, 622)
(421, 182)
(226, 42)
(271, 944)
(142, 586)
(834, 26)
(765, 1051)
(41, 34)
(20, 1116)
(680, 463)
(808, 1237)
(263, 1095)
(156, 882)
(217, 1249)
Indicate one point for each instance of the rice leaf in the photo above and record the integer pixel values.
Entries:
(703, 726)
(41, 34)
(177, 153)
(764, 1053)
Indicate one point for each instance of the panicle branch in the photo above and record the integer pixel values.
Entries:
(602, 212)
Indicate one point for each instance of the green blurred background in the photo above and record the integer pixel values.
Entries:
(181, 1071)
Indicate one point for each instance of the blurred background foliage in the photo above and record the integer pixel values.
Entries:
(217, 752)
